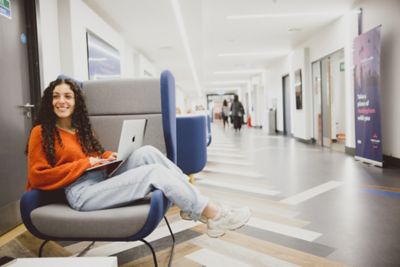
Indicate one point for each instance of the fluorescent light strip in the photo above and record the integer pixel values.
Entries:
(273, 53)
(223, 89)
(284, 15)
(182, 31)
(239, 71)
(230, 82)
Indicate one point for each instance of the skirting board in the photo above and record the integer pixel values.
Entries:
(10, 217)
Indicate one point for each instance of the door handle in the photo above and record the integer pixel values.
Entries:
(27, 105)
(27, 109)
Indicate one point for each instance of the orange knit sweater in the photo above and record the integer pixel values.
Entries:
(71, 162)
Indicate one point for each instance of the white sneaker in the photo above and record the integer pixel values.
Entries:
(228, 219)
(185, 216)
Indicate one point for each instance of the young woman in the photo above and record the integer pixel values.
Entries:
(62, 146)
(225, 112)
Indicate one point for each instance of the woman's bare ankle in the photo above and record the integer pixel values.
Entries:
(211, 211)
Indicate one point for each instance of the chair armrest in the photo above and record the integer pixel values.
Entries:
(209, 135)
(168, 109)
(192, 143)
(34, 199)
(159, 205)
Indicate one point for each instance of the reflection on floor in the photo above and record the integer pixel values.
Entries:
(311, 206)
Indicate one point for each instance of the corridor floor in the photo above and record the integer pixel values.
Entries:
(311, 207)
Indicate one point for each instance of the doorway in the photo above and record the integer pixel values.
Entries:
(317, 111)
(20, 85)
(215, 101)
(287, 129)
(328, 94)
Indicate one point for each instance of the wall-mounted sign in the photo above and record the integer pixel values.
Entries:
(5, 8)
(341, 66)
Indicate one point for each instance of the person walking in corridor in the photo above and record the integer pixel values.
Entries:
(237, 112)
(225, 112)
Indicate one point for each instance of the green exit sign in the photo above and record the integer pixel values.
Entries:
(5, 8)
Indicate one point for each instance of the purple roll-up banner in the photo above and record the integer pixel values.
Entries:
(367, 50)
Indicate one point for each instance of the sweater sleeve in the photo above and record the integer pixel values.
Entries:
(46, 177)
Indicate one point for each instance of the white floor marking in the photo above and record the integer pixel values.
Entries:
(287, 230)
(241, 253)
(258, 206)
(310, 193)
(223, 146)
(224, 150)
(242, 188)
(209, 258)
(227, 155)
(233, 172)
(117, 247)
(233, 162)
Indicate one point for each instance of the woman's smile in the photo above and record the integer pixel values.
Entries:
(63, 101)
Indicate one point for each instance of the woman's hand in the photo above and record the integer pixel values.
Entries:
(113, 156)
(94, 161)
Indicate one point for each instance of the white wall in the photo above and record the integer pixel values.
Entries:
(327, 40)
(180, 100)
(387, 13)
(265, 106)
(256, 87)
(337, 92)
(84, 19)
(301, 118)
(331, 38)
(62, 28)
(260, 110)
(335, 36)
(49, 45)
(340, 34)
(273, 88)
(146, 68)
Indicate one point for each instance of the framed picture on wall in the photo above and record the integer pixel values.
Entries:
(103, 59)
(298, 89)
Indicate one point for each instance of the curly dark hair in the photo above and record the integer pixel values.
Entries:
(80, 121)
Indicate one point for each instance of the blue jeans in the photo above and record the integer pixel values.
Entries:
(145, 169)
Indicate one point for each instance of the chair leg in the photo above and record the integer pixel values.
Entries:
(86, 249)
(41, 247)
(172, 248)
(192, 179)
(173, 242)
(152, 252)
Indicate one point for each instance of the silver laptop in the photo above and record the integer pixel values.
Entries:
(132, 135)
